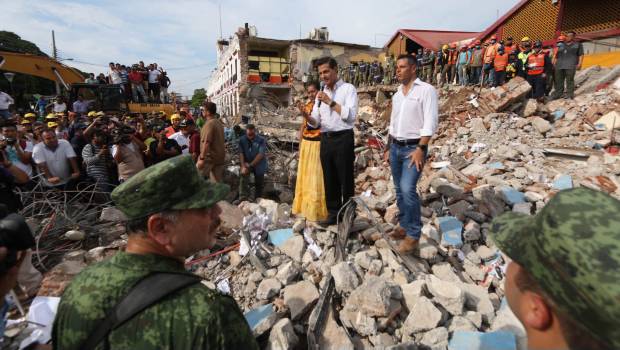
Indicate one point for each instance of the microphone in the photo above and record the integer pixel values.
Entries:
(322, 84)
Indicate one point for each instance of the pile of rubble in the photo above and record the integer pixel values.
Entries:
(346, 286)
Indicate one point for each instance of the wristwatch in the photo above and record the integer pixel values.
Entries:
(332, 104)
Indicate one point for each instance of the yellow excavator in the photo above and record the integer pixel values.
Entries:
(105, 97)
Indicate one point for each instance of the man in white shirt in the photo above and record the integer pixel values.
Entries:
(80, 106)
(183, 136)
(115, 75)
(334, 111)
(57, 161)
(412, 124)
(154, 83)
(19, 152)
(5, 101)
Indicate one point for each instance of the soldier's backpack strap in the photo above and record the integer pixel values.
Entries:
(144, 294)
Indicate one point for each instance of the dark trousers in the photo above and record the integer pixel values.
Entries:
(154, 90)
(500, 78)
(337, 157)
(538, 85)
(562, 75)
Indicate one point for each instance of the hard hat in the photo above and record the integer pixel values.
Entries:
(175, 116)
(51, 116)
(30, 115)
(52, 124)
(444, 47)
(92, 114)
(561, 38)
(494, 37)
(525, 38)
(100, 114)
(26, 121)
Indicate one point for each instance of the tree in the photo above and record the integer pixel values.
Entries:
(200, 95)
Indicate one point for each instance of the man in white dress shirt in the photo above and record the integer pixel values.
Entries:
(334, 111)
(412, 124)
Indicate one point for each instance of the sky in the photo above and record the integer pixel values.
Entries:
(181, 35)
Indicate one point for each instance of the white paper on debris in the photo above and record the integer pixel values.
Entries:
(223, 286)
(41, 315)
(312, 246)
(257, 225)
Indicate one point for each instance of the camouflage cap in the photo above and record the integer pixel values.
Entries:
(572, 250)
(173, 184)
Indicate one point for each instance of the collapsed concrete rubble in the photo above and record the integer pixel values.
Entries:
(302, 286)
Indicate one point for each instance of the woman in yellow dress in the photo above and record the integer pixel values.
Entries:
(309, 190)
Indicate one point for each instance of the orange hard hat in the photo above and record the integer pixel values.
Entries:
(561, 38)
(494, 37)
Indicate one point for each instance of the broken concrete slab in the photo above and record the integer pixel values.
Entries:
(268, 288)
(282, 336)
(435, 339)
(294, 247)
(511, 196)
(447, 294)
(345, 278)
(278, 237)
(563, 182)
(300, 297)
(423, 316)
(372, 298)
(261, 319)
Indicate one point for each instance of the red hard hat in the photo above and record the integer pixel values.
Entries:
(493, 37)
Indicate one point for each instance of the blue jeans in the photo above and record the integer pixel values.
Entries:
(489, 73)
(475, 75)
(405, 181)
(5, 114)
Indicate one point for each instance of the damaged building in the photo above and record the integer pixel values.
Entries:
(254, 72)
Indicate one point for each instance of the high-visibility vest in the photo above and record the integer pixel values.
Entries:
(500, 62)
(452, 57)
(536, 64)
(524, 56)
(509, 49)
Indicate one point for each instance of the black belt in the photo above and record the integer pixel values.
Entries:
(405, 142)
(315, 138)
(329, 134)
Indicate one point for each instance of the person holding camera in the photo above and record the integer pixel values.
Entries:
(127, 153)
(18, 151)
(98, 160)
(162, 147)
(57, 161)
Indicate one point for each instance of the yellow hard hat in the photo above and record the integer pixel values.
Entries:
(444, 47)
(100, 114)
(51, 116)
(175, 116)
(30, 115)
(52, 124)
(525, 38)
(26, 121)
(92, 113)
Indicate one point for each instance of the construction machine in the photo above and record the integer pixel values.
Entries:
(104, 97)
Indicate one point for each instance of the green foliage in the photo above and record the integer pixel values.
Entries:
(200, 95)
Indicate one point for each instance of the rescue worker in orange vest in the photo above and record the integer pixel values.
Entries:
(452, 57)
(489, 55)
(499, 63)
(510, 47)
(537, 63)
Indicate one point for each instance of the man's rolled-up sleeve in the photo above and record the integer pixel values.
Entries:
(348, 109)
(315, 115)
(431, 111)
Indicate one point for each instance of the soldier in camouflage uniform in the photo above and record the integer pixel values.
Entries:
(563, 282)
(389, 71)
(172, 213)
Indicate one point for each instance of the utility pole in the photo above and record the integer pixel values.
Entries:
(55, 56)
(220, 12)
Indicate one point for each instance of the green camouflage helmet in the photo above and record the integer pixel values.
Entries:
(572, 250)
(173, 184)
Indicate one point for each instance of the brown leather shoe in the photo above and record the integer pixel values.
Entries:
(408, 245)
(398, 233)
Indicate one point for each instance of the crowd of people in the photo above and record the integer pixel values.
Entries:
(490, 64)
(166, 197)
(139, 82)
(69, 149)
